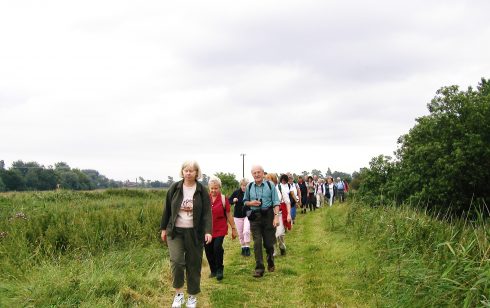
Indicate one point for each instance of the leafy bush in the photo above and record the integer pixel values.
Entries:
(444, 161)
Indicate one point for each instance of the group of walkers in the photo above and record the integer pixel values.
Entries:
(195, 219)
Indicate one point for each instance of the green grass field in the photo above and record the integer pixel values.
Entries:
(102, 249)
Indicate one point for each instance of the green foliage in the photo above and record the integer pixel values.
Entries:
(376, 179)
(443, 162)
(423, 261)
(2, 185)
(228, 182)
(46, 226)
(32, 176)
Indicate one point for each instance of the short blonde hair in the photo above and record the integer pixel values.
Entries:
(271, 177)
(215, 180)
(193, 164)
(244, 181)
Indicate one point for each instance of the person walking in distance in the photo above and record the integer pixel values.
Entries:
(303, 193)
(241, 221)
(186, 224)
(340, 189)
(262, 199)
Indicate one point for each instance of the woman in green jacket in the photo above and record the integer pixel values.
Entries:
(186, 225)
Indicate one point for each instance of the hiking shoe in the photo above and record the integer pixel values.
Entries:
(243, 251)
(178, 300)
(247, 251)
(283, 251)
(191, 302)
(212, 275)
(271, 268)
(219, 274)
(258, 274)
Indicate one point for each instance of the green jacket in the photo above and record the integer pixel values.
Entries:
(201, 211)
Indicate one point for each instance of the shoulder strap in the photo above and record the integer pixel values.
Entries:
(223, 201)
(248, 188)
(269, 184)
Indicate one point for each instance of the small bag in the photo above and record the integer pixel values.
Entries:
(250, 215)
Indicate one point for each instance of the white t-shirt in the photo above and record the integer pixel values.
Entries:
(285, 189)
(184, 217)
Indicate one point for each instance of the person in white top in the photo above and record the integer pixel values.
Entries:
(329, 193)
(320, 193)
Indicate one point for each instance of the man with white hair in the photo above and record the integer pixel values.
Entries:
(340, 189)
(262, 199)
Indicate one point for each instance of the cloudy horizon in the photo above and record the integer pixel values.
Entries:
(134, 89)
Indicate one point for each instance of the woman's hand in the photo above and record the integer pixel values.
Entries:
(289, 217)
(208, 238)
(234, 233)
(235, 200)
(164, 236)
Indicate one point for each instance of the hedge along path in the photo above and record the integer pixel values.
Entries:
(322, 268)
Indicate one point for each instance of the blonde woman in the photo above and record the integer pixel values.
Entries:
(241, 220)
(185, 226)
(220, 208)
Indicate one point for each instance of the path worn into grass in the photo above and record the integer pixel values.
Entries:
(323, 268)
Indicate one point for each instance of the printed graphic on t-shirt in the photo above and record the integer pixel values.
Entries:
(187, 206)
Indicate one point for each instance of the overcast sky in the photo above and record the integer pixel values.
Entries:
(134, 88)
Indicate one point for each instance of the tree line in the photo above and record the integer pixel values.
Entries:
(443, 162)
(23, 176)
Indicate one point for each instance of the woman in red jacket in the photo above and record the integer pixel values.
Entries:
(220, 209)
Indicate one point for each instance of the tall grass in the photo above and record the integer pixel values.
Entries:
(426, 261)
(46, 226)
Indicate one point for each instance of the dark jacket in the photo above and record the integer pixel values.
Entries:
(201, 211)
(239, 211)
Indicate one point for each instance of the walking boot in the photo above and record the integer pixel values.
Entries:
(219, 274)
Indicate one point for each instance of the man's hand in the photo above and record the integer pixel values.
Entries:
(164, 236)
(208, 238)
(254, 203)
(275, 223)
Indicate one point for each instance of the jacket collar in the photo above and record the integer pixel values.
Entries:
(199, 186)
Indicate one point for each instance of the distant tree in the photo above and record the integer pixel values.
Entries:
(2, 165)
(170, 180)
(316, 172)
(2, 184)
(62, 166)
(142, 181)
(342, 175)
(329, 172)
(228, 180)
(84, 182)
(13, 180)
(47, 179)
(356, 180)
(156, 184)
(376, 179)
(304, 174)
(68, 180)
(32, 179)
(444, 160)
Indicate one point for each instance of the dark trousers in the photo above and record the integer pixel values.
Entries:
(185, 259)
(263, 233)
(215, 253)
(340, 194)
(312, 201)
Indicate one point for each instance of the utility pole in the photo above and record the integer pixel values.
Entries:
(243, 165)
